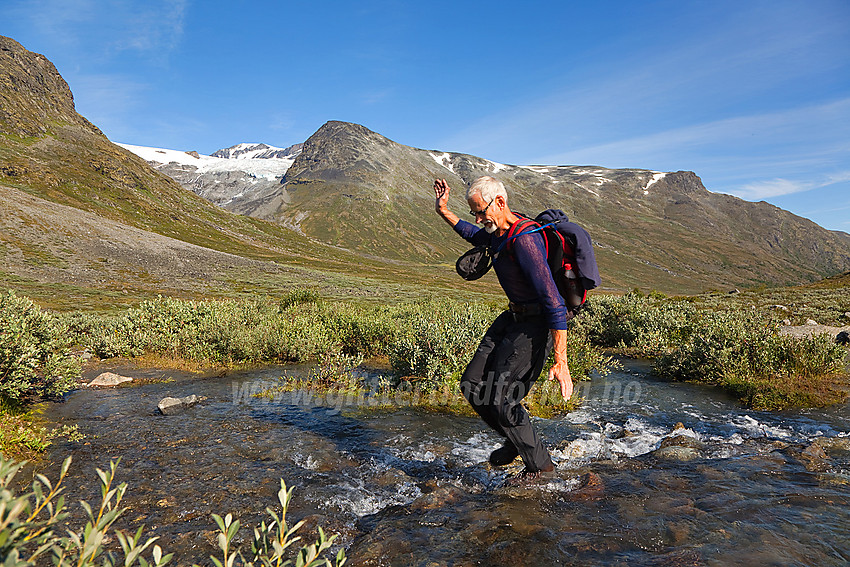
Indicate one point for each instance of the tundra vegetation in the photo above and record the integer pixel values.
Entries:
(730, 341)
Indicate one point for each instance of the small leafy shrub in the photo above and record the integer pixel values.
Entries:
(437, 339)
(34, 356)
(367, 331)
(636, 324)
(216, 331)
(24, 435)
(32, 529)
(746, 355)
(299, 296)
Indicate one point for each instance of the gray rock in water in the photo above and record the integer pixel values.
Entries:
(677, 453)
(109, 379)
(679, 448)
(681, 441)
(173, 406)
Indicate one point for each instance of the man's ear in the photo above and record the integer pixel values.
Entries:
(500, 201)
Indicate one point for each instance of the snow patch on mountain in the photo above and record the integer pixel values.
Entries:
(656, 177)
(246, 158)
(444, 159)
(496, 167)
(258, 151)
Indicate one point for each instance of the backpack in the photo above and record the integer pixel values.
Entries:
(569, 253)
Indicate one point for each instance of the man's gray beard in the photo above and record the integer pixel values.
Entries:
(490, 228)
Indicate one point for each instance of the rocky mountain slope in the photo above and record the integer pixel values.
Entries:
(356, 189)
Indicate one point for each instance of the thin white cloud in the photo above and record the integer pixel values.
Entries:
(766, 189)
(282, 121)
(53, 18)
(377, 96)
(151, 27)
(795, 135)
(100, 28)
(772, 188)
(719, 70)
(108, 100)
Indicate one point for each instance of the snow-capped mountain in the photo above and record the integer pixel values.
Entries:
(229, 177)
(258, 151)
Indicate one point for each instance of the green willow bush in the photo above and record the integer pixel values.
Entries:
(748, 357)
(33, 529)
(437, 338)
(430, 340)
(639, 325)
(738, 349)
(34, 357)
(225, 331)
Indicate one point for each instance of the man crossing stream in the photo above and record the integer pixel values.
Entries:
(514, 348)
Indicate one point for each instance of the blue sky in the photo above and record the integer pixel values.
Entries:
(752, 96)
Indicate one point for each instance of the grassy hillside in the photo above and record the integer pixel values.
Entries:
(87, 223)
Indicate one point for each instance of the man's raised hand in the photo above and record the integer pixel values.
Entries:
(441, 192)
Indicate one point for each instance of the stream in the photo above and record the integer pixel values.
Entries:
(648, 473)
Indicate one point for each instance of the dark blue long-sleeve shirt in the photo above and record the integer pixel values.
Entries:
(523, 272)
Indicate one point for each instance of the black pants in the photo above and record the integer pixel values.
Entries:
(508, 361)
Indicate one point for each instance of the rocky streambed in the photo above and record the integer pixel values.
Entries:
(648, 473)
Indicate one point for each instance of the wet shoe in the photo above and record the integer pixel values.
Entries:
(528, 476)
(504, 455)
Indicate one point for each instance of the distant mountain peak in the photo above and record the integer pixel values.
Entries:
(247, 150)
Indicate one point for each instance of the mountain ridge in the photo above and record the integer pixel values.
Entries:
(353, 200)
(659, 229)
(344, 166)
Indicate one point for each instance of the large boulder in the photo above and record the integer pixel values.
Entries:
(107, 379)
(173, 406)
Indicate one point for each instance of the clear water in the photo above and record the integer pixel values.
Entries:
(411, 487)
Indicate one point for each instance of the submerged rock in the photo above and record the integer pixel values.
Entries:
(107, 379)
(677, 453)
(814, 451)
(172, 406)
(833, 443)
(681, 441)
(679, 448)
(591, 487)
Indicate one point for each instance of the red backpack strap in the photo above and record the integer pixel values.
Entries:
(519, 227)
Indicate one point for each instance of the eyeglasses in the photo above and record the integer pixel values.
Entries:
(484, 210)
